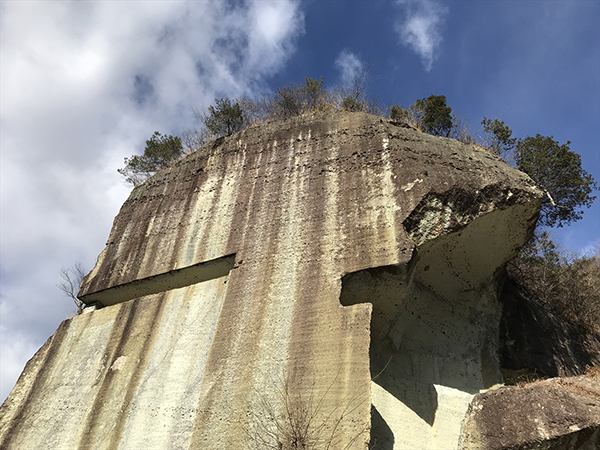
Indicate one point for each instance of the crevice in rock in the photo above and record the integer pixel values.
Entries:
(156, 284)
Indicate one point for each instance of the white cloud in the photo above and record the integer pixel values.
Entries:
(350, 66)
(84, 84)
(421, 28)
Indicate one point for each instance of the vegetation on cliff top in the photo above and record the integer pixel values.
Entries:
(161, 150)
(555, 167)
(557, 170)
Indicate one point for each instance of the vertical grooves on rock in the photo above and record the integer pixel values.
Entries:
(203, 240)
(227, 347)
(153, 317)
(92, 424)
(37, 387)
(99, 421)
(181, 255)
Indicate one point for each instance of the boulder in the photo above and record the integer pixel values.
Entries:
(555, 414)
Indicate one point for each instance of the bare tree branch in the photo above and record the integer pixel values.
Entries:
(71, 280)
(552, 200)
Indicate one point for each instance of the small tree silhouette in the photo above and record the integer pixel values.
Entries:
(71, 280)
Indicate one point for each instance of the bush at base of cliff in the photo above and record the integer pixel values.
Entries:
(569, 285)
(287, 419)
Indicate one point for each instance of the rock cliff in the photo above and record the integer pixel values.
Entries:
(275, 286)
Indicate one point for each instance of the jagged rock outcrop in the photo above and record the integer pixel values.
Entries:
(283, 279)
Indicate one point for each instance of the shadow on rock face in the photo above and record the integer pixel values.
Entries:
(382, 437)
(434, 328)
(533, 338)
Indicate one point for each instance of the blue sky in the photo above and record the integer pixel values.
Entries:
(535, 65)
(84, 84)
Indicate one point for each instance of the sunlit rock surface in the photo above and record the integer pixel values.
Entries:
(294, 273)
(560, 413)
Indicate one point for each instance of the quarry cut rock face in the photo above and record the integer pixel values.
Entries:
(329, 280)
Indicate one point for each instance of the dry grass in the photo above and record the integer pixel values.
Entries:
(521, 377)
(592, 371)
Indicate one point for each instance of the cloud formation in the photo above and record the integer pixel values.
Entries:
(421, 28)
(350, 67)
(84, 84)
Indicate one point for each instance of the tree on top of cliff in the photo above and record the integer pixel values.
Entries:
(296, 99)
(224, 118)
(288, 101)
(314, 92)
(432, 115)
(397, 113)
(499, 138)
(353, 95)
(554, 167)
(161, 150)
(557, 169)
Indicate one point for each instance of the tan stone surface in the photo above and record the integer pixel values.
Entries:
(555, 414)
(301, 204)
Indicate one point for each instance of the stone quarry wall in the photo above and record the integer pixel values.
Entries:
(288, 277)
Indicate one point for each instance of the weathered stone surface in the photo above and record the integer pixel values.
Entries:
(557, 414)
(331, 218)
